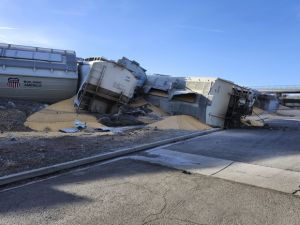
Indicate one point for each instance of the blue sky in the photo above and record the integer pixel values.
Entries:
(251, 42)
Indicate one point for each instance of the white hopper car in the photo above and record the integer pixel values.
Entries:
(39, 74)
(104, 83)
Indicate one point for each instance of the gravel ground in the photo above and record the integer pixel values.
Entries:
(19, 152)
(23, 149)
(13, 113)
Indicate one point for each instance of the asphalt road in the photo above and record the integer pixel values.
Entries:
(266, 157)
(277, 146)
(133, 192)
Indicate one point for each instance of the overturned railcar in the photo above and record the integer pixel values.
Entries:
(214, 101)
(104, 84)
(38, 74)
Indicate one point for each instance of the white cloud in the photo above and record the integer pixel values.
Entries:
(7, 28)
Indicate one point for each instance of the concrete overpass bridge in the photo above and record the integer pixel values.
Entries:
(282, 89)
(288, 95)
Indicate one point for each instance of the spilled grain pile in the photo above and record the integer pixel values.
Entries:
(253, 121)
(181, 122)
(58, 116)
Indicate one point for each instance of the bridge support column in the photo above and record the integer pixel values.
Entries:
(267, 102)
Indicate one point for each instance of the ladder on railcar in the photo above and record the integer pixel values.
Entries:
(84, 99)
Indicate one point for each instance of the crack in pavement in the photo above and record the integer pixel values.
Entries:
(165, 203)
(161, 211)
(185, 221)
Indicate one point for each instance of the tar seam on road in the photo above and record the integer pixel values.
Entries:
(296, 190)
(222, 169)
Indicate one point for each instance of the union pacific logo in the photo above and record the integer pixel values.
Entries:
(13, 82)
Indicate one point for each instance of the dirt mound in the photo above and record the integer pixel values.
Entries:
(181, 122)
(119, 120)
(154, 110)
(58, 116)
(137, 112)
(12, 120)
(13, 113)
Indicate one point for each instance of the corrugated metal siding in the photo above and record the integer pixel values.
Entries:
(39, 58)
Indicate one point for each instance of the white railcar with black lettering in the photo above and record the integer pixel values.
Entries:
(39, 74)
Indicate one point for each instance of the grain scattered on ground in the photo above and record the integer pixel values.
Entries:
(180, 122)
(58, 116)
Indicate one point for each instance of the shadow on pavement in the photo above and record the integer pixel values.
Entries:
(53, 192)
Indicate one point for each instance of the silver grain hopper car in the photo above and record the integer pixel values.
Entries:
(214, 101)
(135, 68)
(39, 74)
(104, 85)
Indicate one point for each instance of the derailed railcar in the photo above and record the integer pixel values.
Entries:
(104, 85)
(214, 101)
(37, 74)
